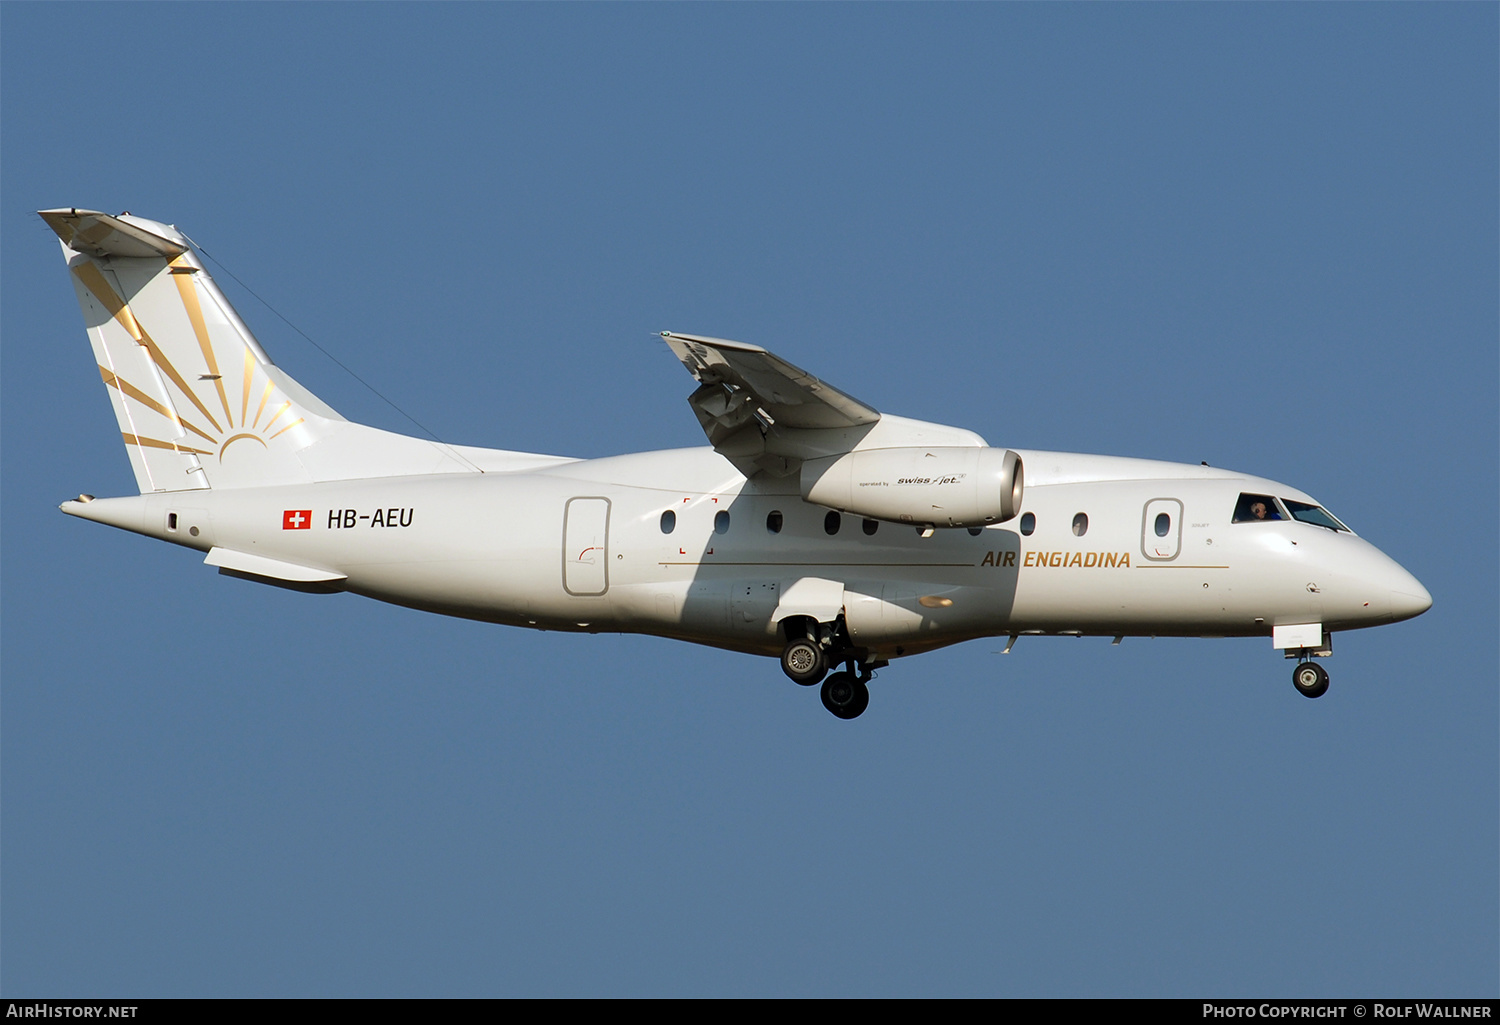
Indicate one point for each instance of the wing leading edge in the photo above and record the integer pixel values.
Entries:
(764, 414)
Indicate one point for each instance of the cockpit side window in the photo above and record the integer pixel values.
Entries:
(1256, 509)
(1314, 514)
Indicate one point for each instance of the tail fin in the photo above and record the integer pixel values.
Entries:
(199, 402)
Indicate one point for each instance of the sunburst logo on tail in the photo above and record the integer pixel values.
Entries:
(219, 427)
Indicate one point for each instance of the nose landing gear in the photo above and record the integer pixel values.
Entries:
(1310, 679)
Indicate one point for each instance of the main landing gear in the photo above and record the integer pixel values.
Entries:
(1310, 679)
(806, 660)
(845, 695)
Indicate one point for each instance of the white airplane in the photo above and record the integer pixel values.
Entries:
(816, 528)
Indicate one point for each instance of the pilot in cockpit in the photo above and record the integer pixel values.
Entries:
(1256, 509)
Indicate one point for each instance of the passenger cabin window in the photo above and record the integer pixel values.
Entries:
(1314, 514)
(668, 522)
(1028, 524)
(1163, 525)
(1080, 524)
(774, 521)
(870, 526)
(831, 523)
(1256, 509)
(721, 522)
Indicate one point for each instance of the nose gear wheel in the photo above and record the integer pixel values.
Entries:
(1310, 679)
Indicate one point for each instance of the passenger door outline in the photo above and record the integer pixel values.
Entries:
(1161, 549)
(586, 546)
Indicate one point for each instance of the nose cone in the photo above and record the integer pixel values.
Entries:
(1376, 588)
(1409, 598)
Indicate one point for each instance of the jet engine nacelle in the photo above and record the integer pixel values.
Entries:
(944, 487)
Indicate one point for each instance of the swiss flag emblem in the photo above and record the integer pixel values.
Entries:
(296, 519)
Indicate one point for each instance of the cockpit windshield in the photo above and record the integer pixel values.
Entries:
(1314, 514)
(1252, 508)
(1256, 509)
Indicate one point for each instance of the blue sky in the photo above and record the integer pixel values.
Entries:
(1264, 236)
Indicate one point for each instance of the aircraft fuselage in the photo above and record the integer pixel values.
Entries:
(580, 546)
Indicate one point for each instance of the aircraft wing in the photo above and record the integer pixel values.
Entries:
(763, 413)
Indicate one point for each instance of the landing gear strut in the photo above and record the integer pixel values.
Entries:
(1310, 679)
